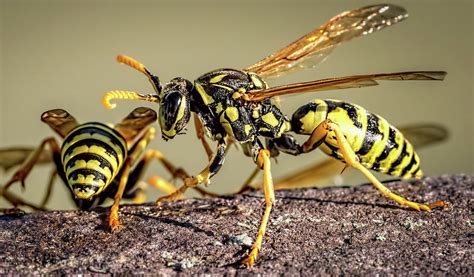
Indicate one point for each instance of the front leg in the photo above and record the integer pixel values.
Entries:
(204, 176)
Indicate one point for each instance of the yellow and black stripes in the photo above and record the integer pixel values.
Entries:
(92, 155)
(379, 146)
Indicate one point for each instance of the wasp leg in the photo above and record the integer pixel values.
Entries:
(114, 221)
(176, 172)
(201, 137)
(49, 189)
(16, 201)
(203, 177)
(264, 161)
(351, 159)
(24, 171)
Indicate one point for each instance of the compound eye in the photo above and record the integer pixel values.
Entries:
(170, 109)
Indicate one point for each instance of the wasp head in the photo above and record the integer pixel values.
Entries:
(175, 109)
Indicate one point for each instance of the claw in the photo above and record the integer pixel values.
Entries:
(249, 261)
(438, 204)
(114, 224)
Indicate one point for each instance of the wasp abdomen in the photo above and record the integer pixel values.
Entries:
(92, 155)
(379, 145)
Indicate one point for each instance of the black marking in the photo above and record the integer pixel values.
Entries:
(417, 170)
(399, 159)
(85, 187)
(334, 150)
(217, 161)
(288, 144)
(412, 163)
(87, 157)
(302, 111)
(90, 142)
(372, 134)
(349, 108)
(86, 172)
(109, 133)
(389, 145)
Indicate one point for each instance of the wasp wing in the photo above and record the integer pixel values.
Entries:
(137, 122)
(316, 45)
(419, 135)
(355, 81)
(15, 156)
(60, 121)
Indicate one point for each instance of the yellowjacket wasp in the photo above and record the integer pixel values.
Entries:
(236, 105)
(94, 160)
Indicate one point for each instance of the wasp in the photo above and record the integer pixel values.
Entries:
(95, 161)
(238, 104)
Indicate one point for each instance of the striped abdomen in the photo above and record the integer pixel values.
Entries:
(92, 155)
(380, 146)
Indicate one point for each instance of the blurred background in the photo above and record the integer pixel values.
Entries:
(61, 54)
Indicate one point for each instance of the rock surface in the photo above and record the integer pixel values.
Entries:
(312, 231)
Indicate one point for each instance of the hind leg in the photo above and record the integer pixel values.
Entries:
(319, 135)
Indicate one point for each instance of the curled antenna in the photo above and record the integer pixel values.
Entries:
(121, 94)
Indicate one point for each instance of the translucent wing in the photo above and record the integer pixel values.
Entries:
(135, 124)
(15, 156)
(343, 83)
(420, 135)
(315, 46)
(60, 121)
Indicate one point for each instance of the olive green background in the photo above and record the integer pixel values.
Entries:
(61, 54)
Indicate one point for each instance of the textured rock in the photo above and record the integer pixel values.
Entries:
(334, 230)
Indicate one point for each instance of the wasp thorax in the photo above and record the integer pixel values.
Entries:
(175, 109)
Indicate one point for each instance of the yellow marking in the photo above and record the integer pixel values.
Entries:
(232, 113)
(257, 81)
(219, 107)
(386, 164)
(236, 95)
(419, 174)
(89, 180)
(264, 129)
(224, 87)
(96, 150)
(270, 119)
(285, 127)
(217, 79)
(255, 113)
(353, 134)
(312, 119)
(225, 123)
(248, 128)
(96, 136)
(368, 159)
(414, 167)
(106, 129)
(91, 164)
(206, 98)
(405, 161)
